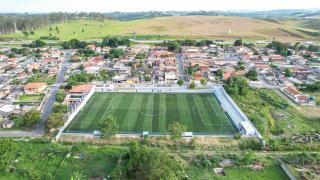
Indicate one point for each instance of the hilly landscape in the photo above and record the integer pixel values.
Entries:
(176, 27)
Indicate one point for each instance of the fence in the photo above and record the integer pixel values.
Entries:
(233, 110)
(74, 113)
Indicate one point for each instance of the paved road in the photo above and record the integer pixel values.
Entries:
(50, 98)
(181, 65)
(46, 107)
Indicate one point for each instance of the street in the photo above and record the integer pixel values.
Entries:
(180, 61)
(47, 106)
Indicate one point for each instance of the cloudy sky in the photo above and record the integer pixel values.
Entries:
(148, 5)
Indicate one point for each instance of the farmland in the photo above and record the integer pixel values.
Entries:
(175, 27)
(153, 112)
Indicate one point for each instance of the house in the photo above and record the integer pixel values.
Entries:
(170, 77)
(6, 124)
(34, 88)
(297, 96)
(33, 66)
(77, 94)
(80, 89)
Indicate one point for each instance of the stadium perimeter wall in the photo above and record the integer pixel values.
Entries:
(225, 100)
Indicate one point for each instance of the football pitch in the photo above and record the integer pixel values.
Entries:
(153, 112)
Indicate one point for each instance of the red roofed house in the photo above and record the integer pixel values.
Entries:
(80, 89)
(78, 93)
(34, 88)
(297, 96)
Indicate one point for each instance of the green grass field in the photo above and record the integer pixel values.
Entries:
(179, 27)
(152, 112)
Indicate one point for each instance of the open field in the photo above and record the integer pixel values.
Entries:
(194, 27)
(262, 108)
(153, 112)
(36, 97)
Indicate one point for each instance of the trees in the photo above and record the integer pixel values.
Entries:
(252, 74)
(83, 77)
(148, 163)
(104, 74)
(237, 86)
(219, 74)
(141, 56)
(25, 33)
(60, 96)
(192, 85)
(203, 82)
(240, 65)
(73, 44)
(35, 44)
(55, 121)
(180, 82)
(114, 53)
(238, 42)
(175, 130)
(288, 72)
(108, 126)
(173, 46)
(115, 42)
(29, 119)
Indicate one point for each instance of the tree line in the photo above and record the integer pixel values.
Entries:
(29, 22)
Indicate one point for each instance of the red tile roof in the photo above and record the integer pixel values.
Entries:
(81, 89)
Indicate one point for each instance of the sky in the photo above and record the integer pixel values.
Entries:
(38, 6)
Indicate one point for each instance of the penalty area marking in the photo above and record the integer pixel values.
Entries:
(196, 108)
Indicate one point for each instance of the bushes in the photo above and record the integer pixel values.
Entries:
(252, 144)
(237, 86)
(148, 163)
(28, 119)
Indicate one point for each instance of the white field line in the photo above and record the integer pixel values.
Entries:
(206, 124)
(216, 114)
(110, 106)
(152, 113)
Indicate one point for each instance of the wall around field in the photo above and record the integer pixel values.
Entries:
(74, 113)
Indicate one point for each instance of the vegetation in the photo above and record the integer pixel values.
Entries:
(238, 42)
(237, 86)
(175, 130)
(33, 97)
(55, 120)
(108, 126)
(74, 44)
(180, 82)
(146, 163)
(35, 44)
(287, 72)
(173, 46)
(271, 114)
(114, 53)
(39, 77)
(314, 87)
(252, 75)
(28, 119)
(166, 28)
(115, 42)
(76, 79)
(192, 85)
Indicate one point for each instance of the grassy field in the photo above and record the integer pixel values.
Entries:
(273, 172)
(260, 107)
(194, 27)
(151, 112)
(36, 97)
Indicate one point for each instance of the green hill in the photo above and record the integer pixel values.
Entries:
(196, 27)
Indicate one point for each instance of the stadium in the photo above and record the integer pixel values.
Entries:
(151, 110)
